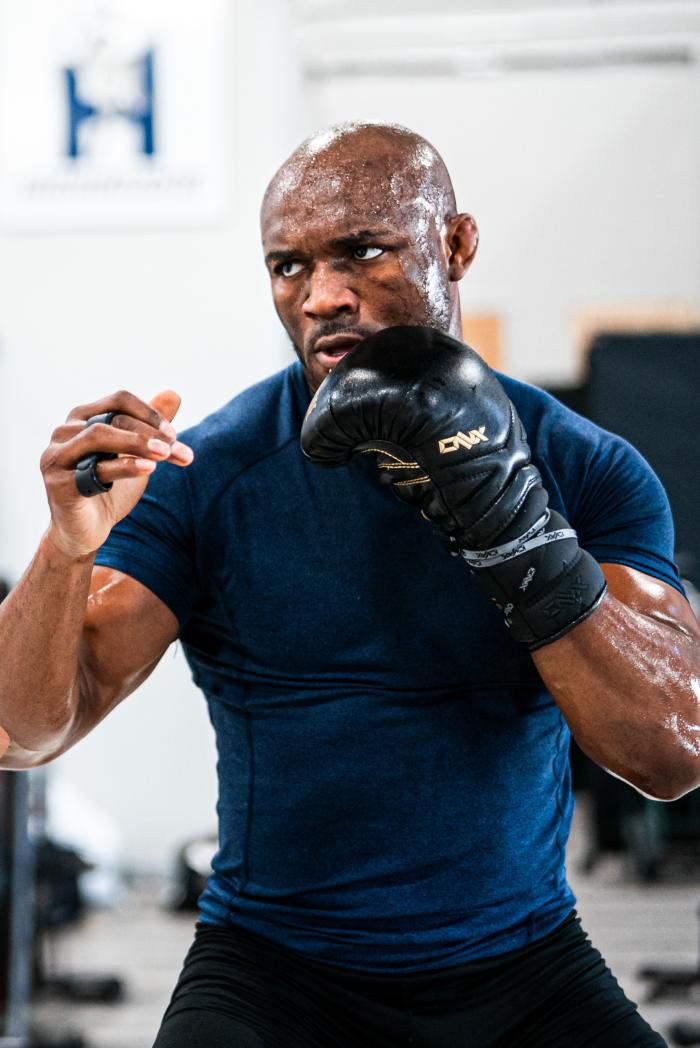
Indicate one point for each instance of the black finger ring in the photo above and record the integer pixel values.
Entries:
(86, 479)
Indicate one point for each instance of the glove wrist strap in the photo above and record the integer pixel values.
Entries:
(543, 581)
(533, 538)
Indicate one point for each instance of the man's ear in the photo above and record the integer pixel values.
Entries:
(462, 239)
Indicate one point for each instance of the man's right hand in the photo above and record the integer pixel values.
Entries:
(140, 434)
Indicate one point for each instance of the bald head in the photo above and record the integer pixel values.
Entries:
(386, 163)
(360, 232)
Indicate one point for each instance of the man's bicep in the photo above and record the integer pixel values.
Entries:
(126, 632)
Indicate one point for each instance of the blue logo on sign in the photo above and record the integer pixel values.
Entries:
(81, 110)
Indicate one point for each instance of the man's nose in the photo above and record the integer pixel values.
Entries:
(329, 293)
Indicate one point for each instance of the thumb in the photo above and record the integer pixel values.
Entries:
(167, 403)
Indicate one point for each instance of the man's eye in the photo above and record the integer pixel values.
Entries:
(364, 252)
(289, 269)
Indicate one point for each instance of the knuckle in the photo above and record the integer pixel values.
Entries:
(52, 477)
(99, 432)
(63, 433)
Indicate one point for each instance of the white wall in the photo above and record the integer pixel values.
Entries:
(584, 181)
(84, 314)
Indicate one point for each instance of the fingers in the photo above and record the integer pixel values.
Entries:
(167, 403)
(123, 469)
(179, 453)
(150, 432)
(127, 403)
(122, 401)
(109, 440)
(115, 440)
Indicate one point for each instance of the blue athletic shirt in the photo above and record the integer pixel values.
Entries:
(394, 788)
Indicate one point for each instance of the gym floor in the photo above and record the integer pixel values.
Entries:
(632, 925)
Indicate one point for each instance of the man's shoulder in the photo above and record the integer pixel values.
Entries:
(556, 432)
(539, 408)
(252, 425)
(591, 469)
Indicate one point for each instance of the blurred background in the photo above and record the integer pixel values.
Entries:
(136, 139)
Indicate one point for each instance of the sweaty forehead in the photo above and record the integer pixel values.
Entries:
(363, 182)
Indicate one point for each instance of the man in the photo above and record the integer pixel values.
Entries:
(394, 784)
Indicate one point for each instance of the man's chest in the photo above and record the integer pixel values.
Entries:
(322, 575)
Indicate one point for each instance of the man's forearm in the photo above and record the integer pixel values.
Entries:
(629, 687)
(41, 623)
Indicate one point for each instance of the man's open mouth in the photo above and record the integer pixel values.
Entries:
(332, 348)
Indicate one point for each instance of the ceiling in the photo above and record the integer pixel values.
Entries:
(360, 38)
(334, 9)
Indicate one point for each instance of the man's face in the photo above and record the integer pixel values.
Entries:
(353, 247)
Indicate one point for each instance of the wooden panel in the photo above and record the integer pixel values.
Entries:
(483, 332)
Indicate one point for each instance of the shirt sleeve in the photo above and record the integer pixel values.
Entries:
(623, 514)
(154, 544)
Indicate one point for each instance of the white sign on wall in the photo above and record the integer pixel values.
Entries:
(113, 113)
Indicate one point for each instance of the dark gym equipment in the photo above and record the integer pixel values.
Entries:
(645, 387)
(59, 903)
(86, 479)
(684, 1033)
(23, 899)
(191, 872)
(16, 926)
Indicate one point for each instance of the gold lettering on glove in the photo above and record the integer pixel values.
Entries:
(312, 406)
(463, 440)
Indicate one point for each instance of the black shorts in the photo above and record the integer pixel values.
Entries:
(237, 990)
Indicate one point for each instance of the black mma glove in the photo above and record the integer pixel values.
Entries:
(450, 442)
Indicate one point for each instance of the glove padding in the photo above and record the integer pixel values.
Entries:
(448, 440)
